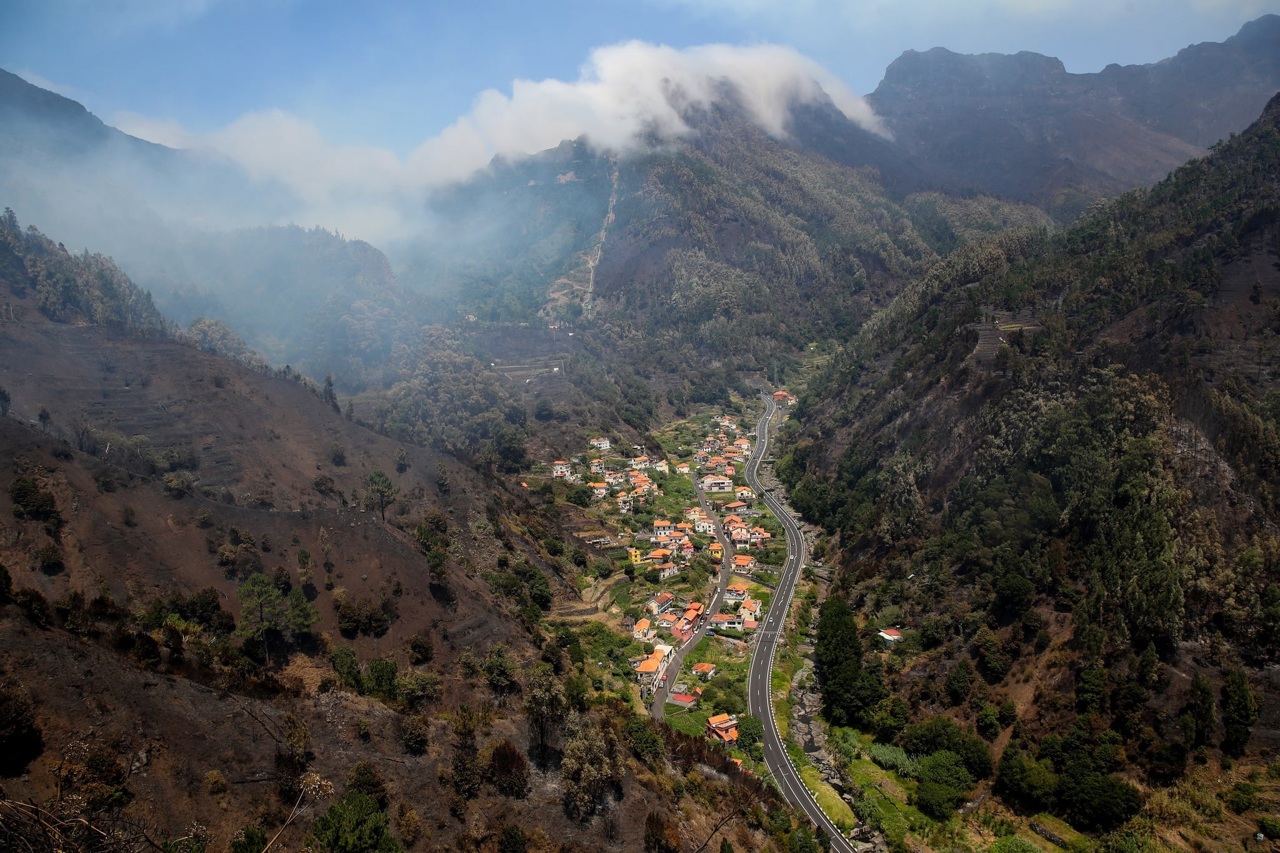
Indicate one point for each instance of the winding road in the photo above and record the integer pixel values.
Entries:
(759, 700)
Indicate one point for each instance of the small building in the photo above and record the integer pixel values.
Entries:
(716, 550)
(704, 670)
(723, 728)
(744, 493)
(735, 592)
(890, 635)
(643, 631)
(744, 564)
(659, 604)
(714, 483)
(560, 468)
(601, 443)
(727, 621)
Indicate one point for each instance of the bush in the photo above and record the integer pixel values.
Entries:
(895, 759)
(1241, 797)
(215, 782)
(509, 770)
(354, 824)
(944, 782)
(415, 733)
(34, 606)
(421, 649)
(941, 733)
(1269, 827)
(365, 779)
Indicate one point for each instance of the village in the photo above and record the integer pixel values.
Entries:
(670, 517)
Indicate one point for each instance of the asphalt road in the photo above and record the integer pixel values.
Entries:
(759, 700)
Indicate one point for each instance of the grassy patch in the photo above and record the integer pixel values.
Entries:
(828, 800)
(780, 686)
(761, 593)
(692, 721)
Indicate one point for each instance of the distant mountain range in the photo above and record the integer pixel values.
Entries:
(1022, 127)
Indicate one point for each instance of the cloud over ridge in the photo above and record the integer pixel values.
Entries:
(622, 93)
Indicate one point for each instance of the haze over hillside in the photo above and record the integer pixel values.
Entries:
(687, 455)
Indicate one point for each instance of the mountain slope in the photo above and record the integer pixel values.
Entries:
(1053, 462)
(1022, 127)
(212, 630)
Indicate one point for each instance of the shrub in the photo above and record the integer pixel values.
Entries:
(409, 824)
(415, 733)
(895, 759)
(365, 778)
(944, 781)
(509, 770)
(420, 649)
(354, 824)
(215, 782)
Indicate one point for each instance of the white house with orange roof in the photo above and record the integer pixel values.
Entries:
(560, 468)
(601, 443)
(715, 483)
(643, 631)
(743, 564)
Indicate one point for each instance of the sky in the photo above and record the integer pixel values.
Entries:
(328, 95)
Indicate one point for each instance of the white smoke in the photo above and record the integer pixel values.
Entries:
(623, 92)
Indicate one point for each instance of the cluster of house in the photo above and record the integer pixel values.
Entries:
(745, 611)
(720, 454)
(626, 479)
(651, 669)
(668, 614)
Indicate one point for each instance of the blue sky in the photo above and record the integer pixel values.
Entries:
(394, 73)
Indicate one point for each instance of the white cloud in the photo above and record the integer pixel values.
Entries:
(626, 90)
(622, 92)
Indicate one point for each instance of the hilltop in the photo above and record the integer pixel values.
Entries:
(1024, 128)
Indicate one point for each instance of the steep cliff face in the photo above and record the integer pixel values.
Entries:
(1023, 127)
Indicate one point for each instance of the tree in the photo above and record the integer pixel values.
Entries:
(508, 770)
(1200, 716)
(1239, 712)
(381, 491)
(262, 610)
(499, 671)
(544, 705)
(45, 419)
(354, 824)
(4, 402)
(587, 768)
(750, 731)
(944, 781)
